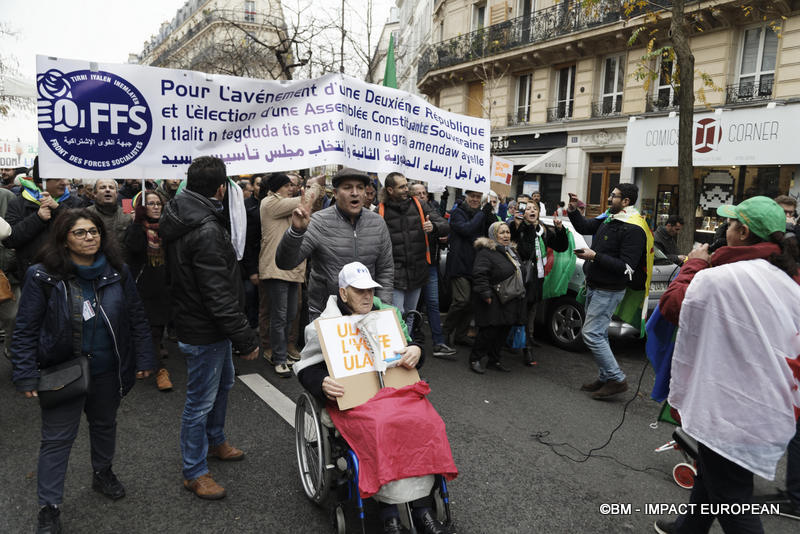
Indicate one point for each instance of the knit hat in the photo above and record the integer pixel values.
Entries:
(762, 215)
(277, 180)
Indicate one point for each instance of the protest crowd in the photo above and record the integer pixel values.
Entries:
(242, 266)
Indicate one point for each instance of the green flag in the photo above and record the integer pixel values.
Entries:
(390, 75)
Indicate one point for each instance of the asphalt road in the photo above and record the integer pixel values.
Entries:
(508, 481)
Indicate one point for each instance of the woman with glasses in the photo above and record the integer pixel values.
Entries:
(79, 301)
(146, 260)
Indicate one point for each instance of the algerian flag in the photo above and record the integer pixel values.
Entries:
(558, 269)
(390, 74)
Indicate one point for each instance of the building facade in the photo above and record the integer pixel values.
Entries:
(559, 83)
(234, 37)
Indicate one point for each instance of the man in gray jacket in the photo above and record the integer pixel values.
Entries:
(335, 236)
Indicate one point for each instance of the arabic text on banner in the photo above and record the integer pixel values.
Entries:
(133, 121)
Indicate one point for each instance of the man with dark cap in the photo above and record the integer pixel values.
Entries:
(280, 286)
(335, 236)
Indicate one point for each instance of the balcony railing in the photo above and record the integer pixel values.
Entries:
(541, 25)
(562, 112)
(607, 107)
(661, 103)
(522, 116)
(748, 91)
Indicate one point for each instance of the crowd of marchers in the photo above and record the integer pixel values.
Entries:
(100, 275)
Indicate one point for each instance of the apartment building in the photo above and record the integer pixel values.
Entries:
(558, 83)
(221, 36)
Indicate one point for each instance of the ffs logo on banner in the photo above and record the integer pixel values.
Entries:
(83, 110)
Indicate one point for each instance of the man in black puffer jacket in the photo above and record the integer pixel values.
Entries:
(410, 230)
(467, 223)
(208, 310)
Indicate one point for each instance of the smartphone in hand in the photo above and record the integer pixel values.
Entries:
(578, 251)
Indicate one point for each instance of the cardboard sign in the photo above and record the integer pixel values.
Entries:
(502, 172)
(350, 362)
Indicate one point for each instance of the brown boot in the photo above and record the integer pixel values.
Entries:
(163, 382)
(611, 388)
(205, 487)
(293, 353)
(593, 386)
(226, 453)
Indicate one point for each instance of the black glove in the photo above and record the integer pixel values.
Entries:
(487, 209)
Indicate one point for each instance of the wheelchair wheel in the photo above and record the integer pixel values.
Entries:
(313, 449)
(684, 474)
(339, 523)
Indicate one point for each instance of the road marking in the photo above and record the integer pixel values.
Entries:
(283, 405)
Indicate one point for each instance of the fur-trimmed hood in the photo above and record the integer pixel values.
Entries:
(485, 242)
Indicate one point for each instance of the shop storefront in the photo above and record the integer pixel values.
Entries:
(737, 154)
(546, 151)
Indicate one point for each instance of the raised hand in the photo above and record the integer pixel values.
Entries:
(427, 226)
(301, 215)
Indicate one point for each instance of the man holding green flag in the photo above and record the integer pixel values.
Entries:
(618, 269)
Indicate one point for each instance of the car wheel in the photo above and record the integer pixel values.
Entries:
(565, 322)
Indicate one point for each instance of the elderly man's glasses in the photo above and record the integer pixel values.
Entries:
(81, 233)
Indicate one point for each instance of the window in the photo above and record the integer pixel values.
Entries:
(525, 8)
(664, 92)
(757, 66)
(522, 103)
(613, 84)
(250, 11)
(565, 96)
(478, 16)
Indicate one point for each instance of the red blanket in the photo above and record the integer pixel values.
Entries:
(396, 434)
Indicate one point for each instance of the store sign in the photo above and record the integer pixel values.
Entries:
(134, 121)
(756, 136)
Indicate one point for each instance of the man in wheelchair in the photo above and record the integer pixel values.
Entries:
(422, 448)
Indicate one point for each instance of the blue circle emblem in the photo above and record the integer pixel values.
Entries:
(94, 120)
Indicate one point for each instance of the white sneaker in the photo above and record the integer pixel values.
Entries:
(283, 370)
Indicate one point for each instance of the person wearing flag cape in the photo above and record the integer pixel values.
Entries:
(618, 268)
(548, 262)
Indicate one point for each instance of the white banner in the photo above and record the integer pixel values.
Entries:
(753, 136)
(132, 121)
(16, 154)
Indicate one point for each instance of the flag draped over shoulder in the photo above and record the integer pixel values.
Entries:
(558, 269)
(633, 308)
(735, 368)
(390, 74)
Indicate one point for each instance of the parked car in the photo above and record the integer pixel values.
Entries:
(563, 316)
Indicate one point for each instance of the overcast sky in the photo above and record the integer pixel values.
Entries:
(99, 30)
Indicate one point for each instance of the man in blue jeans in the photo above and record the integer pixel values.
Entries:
(611, 265)
(208, 306)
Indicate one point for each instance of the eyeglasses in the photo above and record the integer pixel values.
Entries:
(153, 204)
(614, 196)
(80, 233)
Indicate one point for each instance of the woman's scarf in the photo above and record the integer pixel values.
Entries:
(155, 253)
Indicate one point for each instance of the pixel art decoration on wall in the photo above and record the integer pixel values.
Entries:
(717, 189)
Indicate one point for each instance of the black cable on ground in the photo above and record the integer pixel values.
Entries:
(539, 436)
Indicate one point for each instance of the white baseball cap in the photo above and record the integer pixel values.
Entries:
(357, 275)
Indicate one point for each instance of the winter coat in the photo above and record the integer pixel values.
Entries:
(8, 257)
(116, 222)
(492, 266)
(252, 243)
(332, 241)
(441, 228)
(29, 232)
(207, 291)
(466, 226)
(151, 280)
(666, 244)
(47, 322)
(616, 244)
(276, 218)
(408, 241)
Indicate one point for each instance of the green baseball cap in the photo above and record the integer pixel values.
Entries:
(761, 215)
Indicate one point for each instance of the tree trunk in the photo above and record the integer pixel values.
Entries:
(685, 61)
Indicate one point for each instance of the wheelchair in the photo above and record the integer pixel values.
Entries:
(329, 468)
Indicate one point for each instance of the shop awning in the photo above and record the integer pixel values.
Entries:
(554, 162)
